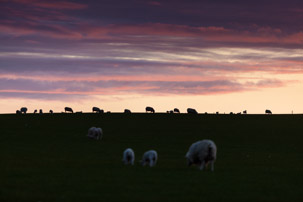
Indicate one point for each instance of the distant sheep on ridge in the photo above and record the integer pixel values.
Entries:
(176, 110)
(191, 111)
(267, 111)
(23, 110)
(150, 109)
(127, 111)
(97, 110)
(68, 109)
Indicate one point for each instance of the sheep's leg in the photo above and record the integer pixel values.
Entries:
(151, 163)
(202, 165)
(212, 165)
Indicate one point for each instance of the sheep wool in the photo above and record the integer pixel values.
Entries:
(202, 153)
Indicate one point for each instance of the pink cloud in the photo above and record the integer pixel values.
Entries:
(154, 3)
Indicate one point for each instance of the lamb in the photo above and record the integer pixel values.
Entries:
(150, 157)
(128, 156)
(201, 153)
(95, 133)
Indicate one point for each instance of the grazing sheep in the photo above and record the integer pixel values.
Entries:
(201, 153)
(23, 110)
(127, 111)
(95, 133)
(97, 110)
(267, 111)
(51, 111)
(191, 111)
(150, 157)
(150, 109)
(68, 109)
(128, 156)
(176, 110)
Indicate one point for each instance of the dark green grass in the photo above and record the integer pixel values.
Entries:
(49, 158)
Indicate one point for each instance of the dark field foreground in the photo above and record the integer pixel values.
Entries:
(49, 158)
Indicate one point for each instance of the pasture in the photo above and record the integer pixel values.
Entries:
(49, 158)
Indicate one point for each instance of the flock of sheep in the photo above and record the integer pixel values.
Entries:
(23, 110)
(201, 153)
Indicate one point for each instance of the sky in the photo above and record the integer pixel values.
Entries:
(211, 55)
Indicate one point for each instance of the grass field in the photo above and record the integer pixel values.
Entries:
(49, 158)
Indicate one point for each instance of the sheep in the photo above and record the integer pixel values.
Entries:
(95, 133)
(97, 110)
(23, 110)
(191, 111)
(201, 153)
(35, 111)
(150, 157)
(51, 111)
(176, 110)
(40, 111)
(128, 156)
(68, 109)
(127, 111)
(18, 112)
(267, 111)
(150, 109)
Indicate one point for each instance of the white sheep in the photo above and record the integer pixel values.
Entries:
(201, 153)
(128, 156)
(150, 157)
(95, 133)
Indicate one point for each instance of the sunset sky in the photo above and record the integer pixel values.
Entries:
(225, 56)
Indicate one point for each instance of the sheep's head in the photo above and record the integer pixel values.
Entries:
(189, 162)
